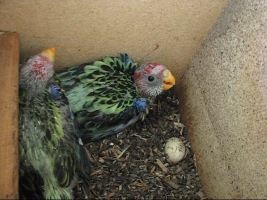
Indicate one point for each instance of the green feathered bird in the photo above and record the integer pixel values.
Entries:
(51, 158)
(110, 94)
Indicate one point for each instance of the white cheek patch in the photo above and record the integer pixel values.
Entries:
(154, 91)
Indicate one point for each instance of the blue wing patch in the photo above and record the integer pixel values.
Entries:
(141, 104)
(55, 92)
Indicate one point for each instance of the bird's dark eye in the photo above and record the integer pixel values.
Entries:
(151, 78)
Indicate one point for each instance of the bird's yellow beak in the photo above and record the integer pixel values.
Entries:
(168, 80)
(50, 54)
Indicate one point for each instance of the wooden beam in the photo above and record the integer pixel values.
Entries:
(9, 70)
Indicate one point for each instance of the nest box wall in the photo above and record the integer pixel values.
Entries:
(224, 103)
(167, 32)
(9, 58)
(164, 31)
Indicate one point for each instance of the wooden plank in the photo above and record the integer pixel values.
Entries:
(9, 60)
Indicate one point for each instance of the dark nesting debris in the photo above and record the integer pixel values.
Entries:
(132, 164)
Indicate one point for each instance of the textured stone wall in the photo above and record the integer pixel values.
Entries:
(223, 97)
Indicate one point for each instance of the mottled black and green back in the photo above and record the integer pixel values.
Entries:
(102, 96)
(51, 159)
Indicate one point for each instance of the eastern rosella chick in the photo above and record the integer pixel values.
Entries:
(110, 94)
(51, 158)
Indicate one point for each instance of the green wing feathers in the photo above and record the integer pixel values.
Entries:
(49, 150)
(100, 93)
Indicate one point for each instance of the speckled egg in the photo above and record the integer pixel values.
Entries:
(175, 150)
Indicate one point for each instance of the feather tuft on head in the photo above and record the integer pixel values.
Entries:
(37, 71)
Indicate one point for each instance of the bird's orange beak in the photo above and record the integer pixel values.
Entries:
(168, 80)
(50, 54)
